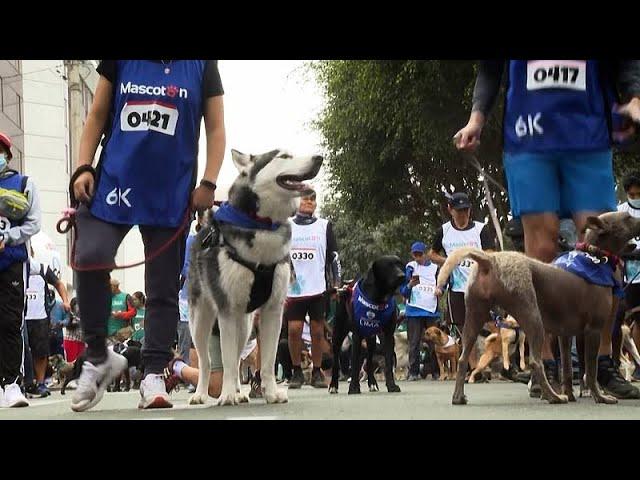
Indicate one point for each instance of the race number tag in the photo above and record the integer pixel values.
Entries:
(142, 116)
(570, 74)
(5, 224)
(425, 289)
(303, 254)
(467, 263)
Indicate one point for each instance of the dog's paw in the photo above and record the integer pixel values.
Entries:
(228, 398)
(606, 399)
(373, 386)
(459, 400)
(278, 396)
(241, 398)
(198, 398)
(333, 389)
(558, 400)
(393, 388)
(355, 390)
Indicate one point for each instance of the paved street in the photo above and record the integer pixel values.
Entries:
(418, 400)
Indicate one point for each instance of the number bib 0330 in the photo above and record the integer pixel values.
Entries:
(138, 116)
(303, 254)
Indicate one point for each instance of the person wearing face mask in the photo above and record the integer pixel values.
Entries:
(631, 185)
(16, 228)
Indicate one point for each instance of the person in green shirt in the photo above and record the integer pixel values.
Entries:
(122, 312)
(138, 300)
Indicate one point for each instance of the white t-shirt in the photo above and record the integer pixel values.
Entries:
(453, 239)
(631, 267)
(308, 256)
(423, 295)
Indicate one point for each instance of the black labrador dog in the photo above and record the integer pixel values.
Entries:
(367, 309)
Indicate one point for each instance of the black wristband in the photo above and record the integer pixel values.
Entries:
(210, 185)
(79, 171)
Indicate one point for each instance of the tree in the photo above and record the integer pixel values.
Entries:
(388, 128)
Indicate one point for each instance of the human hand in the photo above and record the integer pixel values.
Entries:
(468, 138)
(202, 198)
(83, 187)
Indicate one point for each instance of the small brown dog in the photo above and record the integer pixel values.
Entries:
(447, 351)
(497, 344)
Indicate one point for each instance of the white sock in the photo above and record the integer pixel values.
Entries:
(177, 368)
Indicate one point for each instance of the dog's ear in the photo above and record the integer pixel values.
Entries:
(595, 224)
(241, 160)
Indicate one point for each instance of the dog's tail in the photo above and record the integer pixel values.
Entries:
(453, 260)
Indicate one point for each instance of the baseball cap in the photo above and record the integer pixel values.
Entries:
(6, 141)
(418, 247)
(459, 200)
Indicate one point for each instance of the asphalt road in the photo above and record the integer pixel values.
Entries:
(418, 400)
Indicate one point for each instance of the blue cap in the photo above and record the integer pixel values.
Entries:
(418, 247)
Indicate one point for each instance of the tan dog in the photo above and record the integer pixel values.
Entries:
(401, 348)
(447, 351)
(628, 365)
(498, 344)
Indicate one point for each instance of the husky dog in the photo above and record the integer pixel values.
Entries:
(240, 262)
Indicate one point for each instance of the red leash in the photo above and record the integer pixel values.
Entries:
(68, 222)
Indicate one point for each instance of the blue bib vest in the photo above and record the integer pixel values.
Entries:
(147, 167)
(591, 269)
(370, 318)
(555, 106)
(12, 253)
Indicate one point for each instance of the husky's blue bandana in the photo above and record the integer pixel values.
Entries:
(594, 270)
(370, 317)
(230, 214)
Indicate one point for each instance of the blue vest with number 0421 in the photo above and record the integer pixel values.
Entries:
(12, 253)
(147, 167)
(555, 106)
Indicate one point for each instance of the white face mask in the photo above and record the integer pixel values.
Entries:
(3, 161)
(635, 203)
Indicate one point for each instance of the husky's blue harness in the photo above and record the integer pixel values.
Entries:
(263, 274)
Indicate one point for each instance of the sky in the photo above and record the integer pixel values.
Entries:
(268, 104)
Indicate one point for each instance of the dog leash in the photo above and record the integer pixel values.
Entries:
(68, 223)
(471, 158)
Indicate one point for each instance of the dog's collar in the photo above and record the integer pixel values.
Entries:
(603, 255)
(502, 324)
(227, 213)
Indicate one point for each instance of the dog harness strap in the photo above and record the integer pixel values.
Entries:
(598, 252)
(227, 213)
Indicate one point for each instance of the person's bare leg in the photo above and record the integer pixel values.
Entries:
(295, 341)
(40, 368)
(541, 232)
(190, 376)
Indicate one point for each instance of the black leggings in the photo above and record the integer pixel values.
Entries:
(97, 244)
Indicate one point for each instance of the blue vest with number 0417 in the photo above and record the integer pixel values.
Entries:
(12, 253)
(556, 105)
(147, 167)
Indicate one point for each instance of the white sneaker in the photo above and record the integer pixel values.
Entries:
(153, 392)
(95, 379)
(13, 396)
